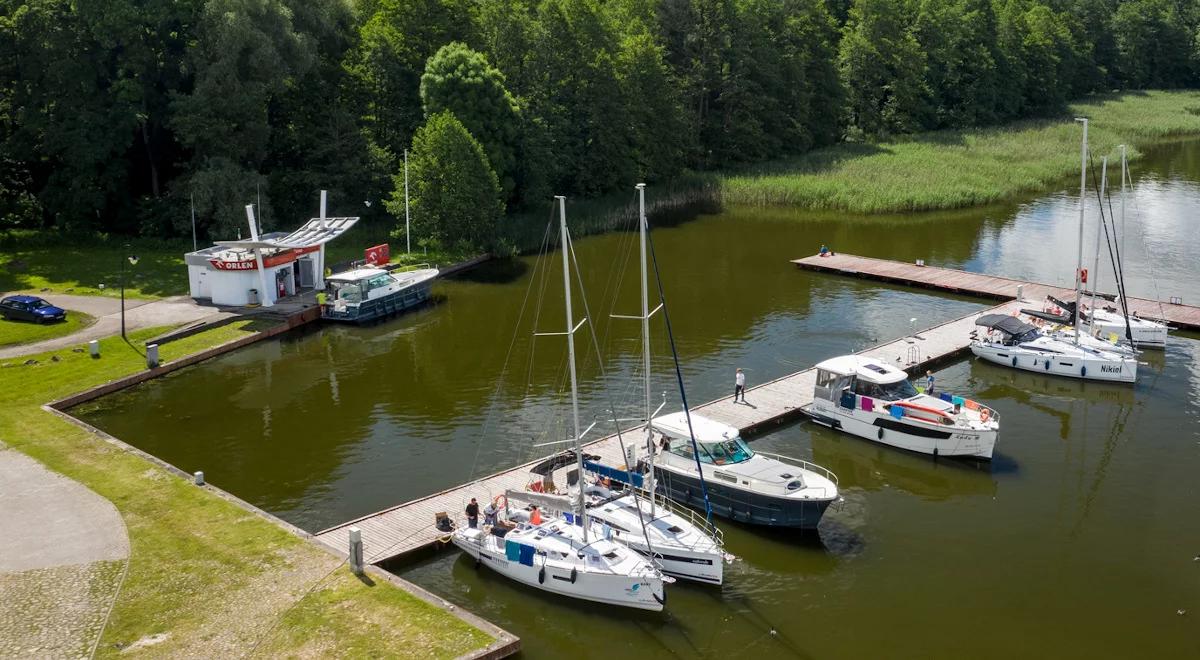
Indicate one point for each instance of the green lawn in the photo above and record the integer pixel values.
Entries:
(215, 579)
(21, 332)
(954, 169)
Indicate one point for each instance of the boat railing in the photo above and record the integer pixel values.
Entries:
(800, 463)
(695, 519)
(410, 267)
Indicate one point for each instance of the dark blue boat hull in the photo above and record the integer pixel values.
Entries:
(740, 506)
(372, 310)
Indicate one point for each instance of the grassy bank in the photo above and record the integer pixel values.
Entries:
(955, 169)
(206, 577)
(19, 332)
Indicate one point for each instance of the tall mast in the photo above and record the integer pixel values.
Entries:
(562, 223)
(407, 232)
(1124, 173)
(650, 449)
(1099, 230)
(1082, 191)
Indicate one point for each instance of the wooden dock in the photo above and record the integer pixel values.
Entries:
(987, 286)
(410, 527)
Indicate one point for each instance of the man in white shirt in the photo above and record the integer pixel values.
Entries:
(739, 387)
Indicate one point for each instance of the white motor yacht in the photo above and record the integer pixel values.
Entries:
(869, 399)
(741, 484)
(1011, 342)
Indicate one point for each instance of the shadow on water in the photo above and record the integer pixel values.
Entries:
(495, 271)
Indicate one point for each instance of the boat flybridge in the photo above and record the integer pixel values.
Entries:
(867, 398)
(557, 553)
(742, 484)
(1011, 342)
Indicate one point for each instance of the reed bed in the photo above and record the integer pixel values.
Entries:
(962, 168)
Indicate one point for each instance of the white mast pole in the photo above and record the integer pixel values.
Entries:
(407, 233)
(1124, 173)
(195, 246)
(1082, 190)
(562, 223)
(1099, 230)
(642, 228)
(319, 280)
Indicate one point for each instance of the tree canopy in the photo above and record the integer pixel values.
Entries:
(116, 115)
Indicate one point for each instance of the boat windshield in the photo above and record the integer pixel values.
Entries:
(345, 291)
(887, 392)
(726, 452)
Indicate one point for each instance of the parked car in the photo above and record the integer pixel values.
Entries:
(31, 308)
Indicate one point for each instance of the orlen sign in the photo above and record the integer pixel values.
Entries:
(268, 261)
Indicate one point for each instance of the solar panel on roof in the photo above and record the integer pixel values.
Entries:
(876, 368)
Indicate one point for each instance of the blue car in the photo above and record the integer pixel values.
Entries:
(31, 308)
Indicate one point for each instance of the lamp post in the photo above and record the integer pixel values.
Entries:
(132, 262)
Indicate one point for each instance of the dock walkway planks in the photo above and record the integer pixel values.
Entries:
(990, 286)
(409, 526)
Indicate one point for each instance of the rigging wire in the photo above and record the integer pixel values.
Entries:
(1113, 258)
(687, 413)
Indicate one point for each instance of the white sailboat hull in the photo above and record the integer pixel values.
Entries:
(640, 592)
(700, 560)
(1146, 333)
(1075, 365)
(951, 441)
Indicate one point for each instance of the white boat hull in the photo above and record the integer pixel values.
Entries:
(960, 442)
(1146, 334)
(1071, 366)
(645, 593)
(678, 561)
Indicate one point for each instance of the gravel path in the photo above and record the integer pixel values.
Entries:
(138, 314)
(62, 551)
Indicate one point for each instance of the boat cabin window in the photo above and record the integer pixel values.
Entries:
(888, 392)
(345, 291)
(726, 452)
(378, 281)
(681, 448)
(825, 378)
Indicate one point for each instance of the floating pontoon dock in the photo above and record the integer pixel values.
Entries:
(410, 526)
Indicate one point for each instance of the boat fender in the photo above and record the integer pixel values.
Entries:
(984, 414)
(881, 433)
(1083, 372)
(542, 576)
(1014, 360)
(935, 453)
(574, 574)
(1047, 365)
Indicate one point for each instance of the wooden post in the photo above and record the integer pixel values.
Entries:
(356, 551)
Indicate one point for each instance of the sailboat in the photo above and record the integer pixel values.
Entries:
(1011, 342)
(560, 553)
(1107, 320)
(681, 543)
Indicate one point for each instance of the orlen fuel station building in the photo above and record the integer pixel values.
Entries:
(265, 268)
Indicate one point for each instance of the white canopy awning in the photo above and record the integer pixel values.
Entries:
(314, 232)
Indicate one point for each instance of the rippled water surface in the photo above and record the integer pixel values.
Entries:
(1081, 539)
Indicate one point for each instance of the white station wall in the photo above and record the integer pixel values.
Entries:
(232, 287)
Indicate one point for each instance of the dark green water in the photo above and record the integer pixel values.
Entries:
(1082, 538)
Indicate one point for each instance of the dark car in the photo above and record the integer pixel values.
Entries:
(31, 308)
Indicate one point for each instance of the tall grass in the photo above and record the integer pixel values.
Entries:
(955, 169)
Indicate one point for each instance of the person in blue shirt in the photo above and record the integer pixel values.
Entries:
(929, 382)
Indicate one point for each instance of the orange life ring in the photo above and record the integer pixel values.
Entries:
(537, 487)
(496, 501)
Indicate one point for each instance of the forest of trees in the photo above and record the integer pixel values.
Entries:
(118, 115)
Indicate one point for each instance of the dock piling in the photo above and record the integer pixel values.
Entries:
(356, 551)
(151, 356)
(198, 477)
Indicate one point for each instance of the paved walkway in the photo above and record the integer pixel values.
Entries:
(138, 314)
(62, 552)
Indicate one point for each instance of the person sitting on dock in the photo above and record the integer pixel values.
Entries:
(473, 514)
(824, 252)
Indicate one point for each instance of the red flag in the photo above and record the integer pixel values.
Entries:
(379, 255)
